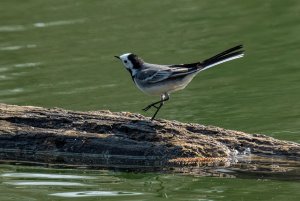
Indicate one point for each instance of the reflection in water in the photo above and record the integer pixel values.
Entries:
(94, 193)
(37, 182)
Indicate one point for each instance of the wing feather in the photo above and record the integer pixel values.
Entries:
(157, 75)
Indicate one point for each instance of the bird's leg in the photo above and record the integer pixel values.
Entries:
(157, 109)
(164, 97)
(152, 105)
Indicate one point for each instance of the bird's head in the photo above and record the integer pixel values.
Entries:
(131, 62)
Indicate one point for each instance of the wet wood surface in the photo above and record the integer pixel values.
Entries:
(103, 139)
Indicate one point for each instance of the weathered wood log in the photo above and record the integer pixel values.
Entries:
(126, 140)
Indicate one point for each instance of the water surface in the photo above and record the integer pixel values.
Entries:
(60, 54)
(36, 183)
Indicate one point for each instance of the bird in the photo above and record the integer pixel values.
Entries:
(161, 80)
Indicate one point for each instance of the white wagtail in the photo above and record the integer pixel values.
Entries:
(157, 79)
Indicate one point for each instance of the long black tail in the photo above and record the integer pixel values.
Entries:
(228, 55)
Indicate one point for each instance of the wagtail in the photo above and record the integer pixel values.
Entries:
(158, 79)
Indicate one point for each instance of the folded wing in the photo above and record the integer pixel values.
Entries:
(158, 75)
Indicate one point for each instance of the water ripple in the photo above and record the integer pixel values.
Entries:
(3, 77)
(57, 23)
(48, 176)
(45, 183)
(12, 28)
(94, 193)
(24, 65)
(16, 47)
(8, 92)
(3, 69)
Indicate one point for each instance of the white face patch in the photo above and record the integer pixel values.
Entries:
(126, 62)
(133, 71)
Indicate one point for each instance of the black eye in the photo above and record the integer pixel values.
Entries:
(125, 61)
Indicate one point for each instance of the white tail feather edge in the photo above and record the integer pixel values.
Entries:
(223, 61)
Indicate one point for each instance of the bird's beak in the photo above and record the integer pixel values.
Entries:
(117, 57)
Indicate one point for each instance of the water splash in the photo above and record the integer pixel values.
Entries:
(236, 155)
(246, 152)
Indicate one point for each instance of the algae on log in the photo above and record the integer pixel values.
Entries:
(124, 140)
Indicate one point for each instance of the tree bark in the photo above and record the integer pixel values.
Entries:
(126, 140)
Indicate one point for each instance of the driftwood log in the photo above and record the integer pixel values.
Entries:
(104, 139)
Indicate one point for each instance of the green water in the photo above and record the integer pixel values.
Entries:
(30, 183)
(60, 54)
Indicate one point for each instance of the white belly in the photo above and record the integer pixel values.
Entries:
(164, 86)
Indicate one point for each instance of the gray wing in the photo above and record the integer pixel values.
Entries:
(157, 75)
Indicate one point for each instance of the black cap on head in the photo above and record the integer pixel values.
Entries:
(135, 60)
